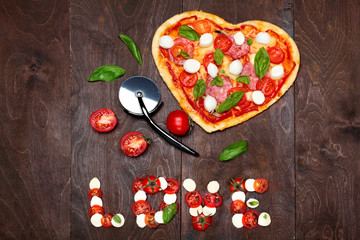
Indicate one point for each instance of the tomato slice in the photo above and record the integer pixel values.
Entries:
(106, 220)
(201, 222)
(266, 86)
(193, 199)
(188, 79)
(209, 58)
(237, 184)
(276, 55)
(172, 186)
(222, 42)
(164, 205)
(140, 207)
(250, 219)
(261, 185)
(103, 120)
(94, 192)
(137, 185)
(181, 45)
(201, 26)
(150, 219)
(96, 209)
(151, 184)
(238, 206)
(213, 199)
(243, 103)
(133, 143)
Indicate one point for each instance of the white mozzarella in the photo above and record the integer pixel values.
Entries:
(237, 220)
(239, 38)
(277, 72)
(252, 203)
(264, 219)
(213, 186)
(191, 65)
(140, 195)
(206, 40)
(189, 185)
(140, 220)
(166, 42)
(210, 103)
(235, 67)
(95, 200)
(239, 195)
(208, 211)
(249, 185)
(96, 220)
(212, 70)
(258, 97)
(263, 38)
(196, 211)
(163, 183)
(117, 225)
(170, 198)
(159, 217)
(252, 58)
(94, 183)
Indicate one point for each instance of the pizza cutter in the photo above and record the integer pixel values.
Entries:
(140, 96)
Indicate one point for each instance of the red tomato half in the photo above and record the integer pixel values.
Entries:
(201, 26)
(213, 199)
(172, 186)
(96, 209)
(222, 42)
(140, 207)
(178, 122)
(201, 222)
(188, 79)
(276, 54)
(193, 199)
(250, 219)
(238, 206)
(261, 185)
(106, 220)
(151, 184)
(266, 86)
(209, 58)
(180, 45)
(150, 219)
(137, 185)
(164, 205)
(103, 120)
(94, 192)
(134, 143)
(237, 184)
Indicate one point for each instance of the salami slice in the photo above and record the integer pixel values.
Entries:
(236, 51)
(181, 45)
(249, 70)
(219, 93)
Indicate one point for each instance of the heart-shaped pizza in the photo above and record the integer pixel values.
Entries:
(223, 74)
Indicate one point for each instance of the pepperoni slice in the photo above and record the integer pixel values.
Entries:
(236, 51)
(249, 70)
(219, 93)
(180, 45)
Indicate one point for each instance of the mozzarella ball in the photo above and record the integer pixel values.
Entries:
(210, 103)
(212, 70)
(263, 38)
(258, 97)
(166, 42)
(277, 72)
(206, 40)
(235, 67)
(191, 66)
(239, 38)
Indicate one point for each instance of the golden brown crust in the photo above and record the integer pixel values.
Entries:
(180, 96)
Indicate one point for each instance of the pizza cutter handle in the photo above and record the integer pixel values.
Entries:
(162, 133)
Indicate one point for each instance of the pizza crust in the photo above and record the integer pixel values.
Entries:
(184, 104)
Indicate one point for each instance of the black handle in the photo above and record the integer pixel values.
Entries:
(162, 133)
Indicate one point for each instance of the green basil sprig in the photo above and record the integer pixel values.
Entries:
(244, 79)
(233, 150)
(217, 81)
(230, 101)
(262, 62)
(249, 41)
(184, 54)
(117, 219)
(169, 212)
(199, 88)
(132, 47)
(106, 73)
(189, 33)
(218, 56)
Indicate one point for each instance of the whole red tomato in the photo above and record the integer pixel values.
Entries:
(178, 122)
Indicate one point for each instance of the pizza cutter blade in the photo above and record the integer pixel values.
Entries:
(140, 96)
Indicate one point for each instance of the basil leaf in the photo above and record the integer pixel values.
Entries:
(132, 47)
(117, 219)
(244, 79)
(230, 101)
(265, 216)
(217, 81)
(189, 33)
(169, 212)
(249, 41)
(254, 203)
(218, 56)
(233, 150)
(184, 54)
(262, 62)
(199, 88)
(222, 71)
(106, 73)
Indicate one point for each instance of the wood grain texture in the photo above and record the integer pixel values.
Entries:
(34, 129)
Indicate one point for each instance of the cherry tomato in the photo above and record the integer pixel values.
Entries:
(193, 199)
(237, 184)
(172, 186)
(201, 26)
(261, 185)
(178, 122)
(140, 207)
(164, 205)
(276, 54)
(151, 184)
(243, 103)
(250, 219)
(222, 42)
(106, 220)
(209, 58)
(103, 120)
(94, 192)
(188, 79)
(96, 209)
(201, 222)
(238, 206)
(213, 199)
(266, 86)
(150, 219)
(181, 45)
(134, 143)
(137, 185)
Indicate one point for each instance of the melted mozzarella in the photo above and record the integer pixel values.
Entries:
(263, 38)
(206, 40)
(166, 42)
(191, 66)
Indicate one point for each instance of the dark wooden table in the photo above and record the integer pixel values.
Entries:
(305, 145)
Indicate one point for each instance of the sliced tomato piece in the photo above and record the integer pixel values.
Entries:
(250, 219)
(137, 185)
(209, 58)
(193, 199)
(180, 45)
(261, 185)
(106, 220)
(213, 199)
(164, 205)
(172, 186)
(103, 120)
(266, 86)
(151, 184)
(150, 219)
(188, 79)
(222, 42)
(96, 209)
(238, 206)
(276, 55)
(141, 207)
(134, 143)
(201, 26)
(237, 184)
(201, 222)
(94, 192)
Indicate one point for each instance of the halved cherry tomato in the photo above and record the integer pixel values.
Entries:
(237, 184)
(261, 185)
(188, 79)
(209, 58)
(213, 199)
(172, 186)
(140, 207)
(151, 184)
(103, 120)
(238, 206)
(96, 209)
(137, 185)
(164, 205)
(201, 222)
(178, 122)
(250, 219)
(94, 192)
(201, 26)
(276, 54)
(134, 143)
(193, 199)
(106, 220)
(243, 103)
(266, 86)
(150, 219)
(181, 45)
(222, 42)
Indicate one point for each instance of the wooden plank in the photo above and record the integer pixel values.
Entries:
(35, 131)
(327, 117)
